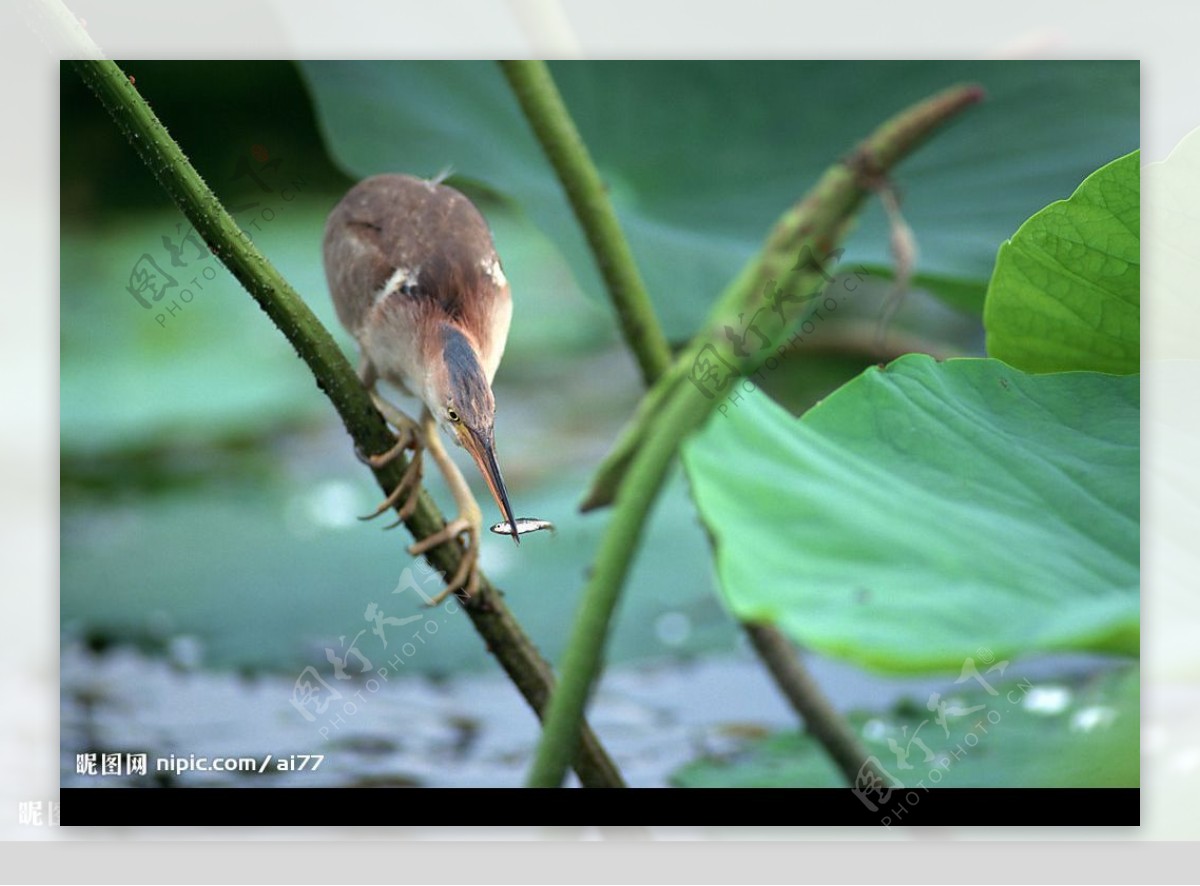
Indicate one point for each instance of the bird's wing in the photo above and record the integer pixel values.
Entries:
(397, 232)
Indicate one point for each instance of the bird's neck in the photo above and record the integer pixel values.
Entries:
(462, 359)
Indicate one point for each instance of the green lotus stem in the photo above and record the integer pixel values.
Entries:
(619, 546)
(817, 223)
(813, 226)
(555, 130)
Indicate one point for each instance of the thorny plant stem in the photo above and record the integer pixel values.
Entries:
(334, 376)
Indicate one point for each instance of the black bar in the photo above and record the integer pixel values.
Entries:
(1022, 807)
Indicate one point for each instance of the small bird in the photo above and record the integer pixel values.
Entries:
(416, 280)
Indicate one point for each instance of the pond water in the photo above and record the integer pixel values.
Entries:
(460, 731)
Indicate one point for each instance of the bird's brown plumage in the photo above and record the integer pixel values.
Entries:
(415, 278)
(435, 249)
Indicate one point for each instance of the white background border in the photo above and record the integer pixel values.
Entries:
(1161, 34)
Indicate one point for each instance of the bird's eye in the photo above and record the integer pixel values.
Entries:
(452, 415)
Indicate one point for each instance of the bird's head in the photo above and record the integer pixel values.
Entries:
(461, 399)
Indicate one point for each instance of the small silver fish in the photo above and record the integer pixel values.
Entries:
(523, 525)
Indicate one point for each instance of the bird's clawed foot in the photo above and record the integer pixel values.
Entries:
(408, 436)
(466, 577)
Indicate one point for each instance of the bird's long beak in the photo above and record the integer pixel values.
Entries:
(481, 445)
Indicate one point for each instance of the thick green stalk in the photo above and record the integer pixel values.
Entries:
(818, 222)
(336, 378)
(618, 548)
(813, 226)
(552, 124)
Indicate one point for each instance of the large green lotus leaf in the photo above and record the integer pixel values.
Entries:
(926, 509)
(700, 158)
(1066, 289)
(1028, 734)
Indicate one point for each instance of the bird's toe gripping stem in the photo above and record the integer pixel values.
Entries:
(466, 576)
(406, 438)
